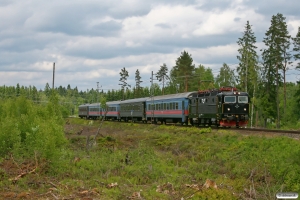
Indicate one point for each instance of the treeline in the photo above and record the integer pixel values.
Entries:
(275, 101)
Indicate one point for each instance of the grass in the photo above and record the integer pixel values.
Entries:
(141, 158)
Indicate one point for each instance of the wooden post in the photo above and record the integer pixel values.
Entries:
(53, 76)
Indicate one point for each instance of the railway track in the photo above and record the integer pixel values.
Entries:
(268, 132)
(245, 131)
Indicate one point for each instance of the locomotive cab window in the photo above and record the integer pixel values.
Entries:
(229, 99)
(243, 99)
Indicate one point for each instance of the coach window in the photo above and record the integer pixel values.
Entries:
(176, 106)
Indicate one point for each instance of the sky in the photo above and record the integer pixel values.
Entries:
(90, 41)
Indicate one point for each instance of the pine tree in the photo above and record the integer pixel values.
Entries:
(204, 78)
(184, 70)
(248, 65)
(47, 90)
(162, 75)
(296, 49)
(226, 77)
(124, 75)
(137, 83)
(18, 92)
(275, 58)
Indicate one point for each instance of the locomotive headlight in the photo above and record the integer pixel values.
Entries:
(245, 109)
(228, 109)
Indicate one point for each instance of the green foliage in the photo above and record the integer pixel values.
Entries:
(225, 77)
(29, 129)
(248, 68)
(296, 49)
(137, 84)
(204, 78)
(123, 79)
(103, 102)
(162, 75)
(275, 59)
(183, 71)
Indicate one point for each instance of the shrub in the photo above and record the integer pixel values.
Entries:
(30, 129)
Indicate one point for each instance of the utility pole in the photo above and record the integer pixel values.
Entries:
(53, 76)
(99, 100)
(252, 107)
(246, 82)
(97, 90)
(152, 98)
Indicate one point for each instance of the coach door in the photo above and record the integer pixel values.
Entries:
(88, 112)
(144, 110)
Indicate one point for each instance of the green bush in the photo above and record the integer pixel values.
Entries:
(29, 129)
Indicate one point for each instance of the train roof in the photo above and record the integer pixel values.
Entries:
(83, 105)
(233, 93)
(94, 104)
(113, 102)
(134, 100)
(172, 96)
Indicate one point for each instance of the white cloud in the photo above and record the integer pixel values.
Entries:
(293, 27)
(92, 40)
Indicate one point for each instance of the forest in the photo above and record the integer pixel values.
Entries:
(275, 102)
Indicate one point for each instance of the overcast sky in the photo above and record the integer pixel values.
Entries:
(91, 40)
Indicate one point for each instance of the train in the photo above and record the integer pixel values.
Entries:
(223, 107)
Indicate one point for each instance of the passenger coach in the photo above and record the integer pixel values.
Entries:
(170, 108)
(89, 111)
(83, 111)
(113, 110)
(133, 109)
